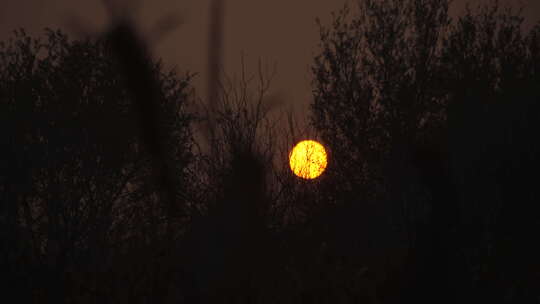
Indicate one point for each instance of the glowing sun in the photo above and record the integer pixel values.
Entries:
(308, 159)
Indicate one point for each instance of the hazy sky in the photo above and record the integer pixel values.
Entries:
(277, 31)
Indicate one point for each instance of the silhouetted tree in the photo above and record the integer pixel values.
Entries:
(77, 184)
(430, 127)
(492, 65)
(232, 251)
(400, 94)
(376, 92)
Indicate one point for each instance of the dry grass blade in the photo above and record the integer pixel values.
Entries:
(136, 67)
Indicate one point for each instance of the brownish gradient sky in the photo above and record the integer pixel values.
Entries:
(277, 31)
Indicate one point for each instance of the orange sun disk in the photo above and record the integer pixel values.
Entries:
(308, 159)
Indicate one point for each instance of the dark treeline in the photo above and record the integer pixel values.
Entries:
(113, 189)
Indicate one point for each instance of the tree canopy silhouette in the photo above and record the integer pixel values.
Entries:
(430, 124)
(76, 181)
(414, 105)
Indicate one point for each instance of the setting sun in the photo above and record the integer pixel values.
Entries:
(308, 159)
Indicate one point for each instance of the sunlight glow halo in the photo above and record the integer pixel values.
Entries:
(308, 159)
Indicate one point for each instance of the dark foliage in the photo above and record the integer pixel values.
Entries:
(429, 196)
(431, 117)
(78, 190)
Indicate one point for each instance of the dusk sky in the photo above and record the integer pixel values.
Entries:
(280, 31)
